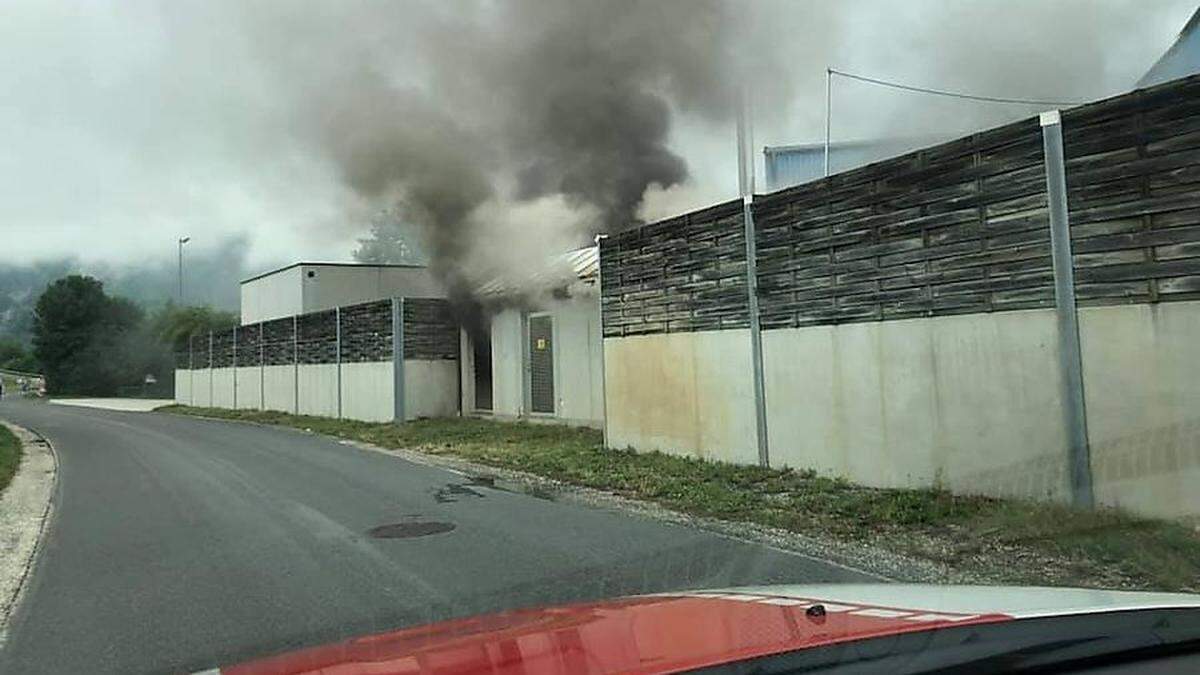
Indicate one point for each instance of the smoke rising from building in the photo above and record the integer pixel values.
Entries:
(566, 103)
(503, 130)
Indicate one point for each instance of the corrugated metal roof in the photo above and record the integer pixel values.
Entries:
(563, 269)
(789, 165)
(1181, 59)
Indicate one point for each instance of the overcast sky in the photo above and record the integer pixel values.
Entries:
(126, 124)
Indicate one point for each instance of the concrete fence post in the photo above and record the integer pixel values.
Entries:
(1069, 351)
(600, 327)
(262, 371)
(398, 360)
(235, 366)
(745, 142)
(337, 338)
(295, 365)
(210, 369)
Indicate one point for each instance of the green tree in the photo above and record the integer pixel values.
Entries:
(87, 342)
(390, 241)
(173, 324)
(14, 356)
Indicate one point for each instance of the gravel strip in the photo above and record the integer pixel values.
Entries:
(25, 509)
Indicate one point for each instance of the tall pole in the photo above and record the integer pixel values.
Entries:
(182, 241)
(600, 327)
(745, 138)
(1069, 352)
(828, 111)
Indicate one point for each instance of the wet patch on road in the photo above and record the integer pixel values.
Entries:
(410, 529)
(452, 492)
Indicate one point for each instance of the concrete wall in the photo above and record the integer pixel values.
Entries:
(183, 386)
(318, 389)
(272, 296)
(430, 388)
(968, 402)
(279, 388)
(202, 388)
(367, 391)
(685, 393)
(222, 387)
(249, 387)
(1141, 367)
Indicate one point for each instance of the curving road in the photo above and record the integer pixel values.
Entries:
(179, 544)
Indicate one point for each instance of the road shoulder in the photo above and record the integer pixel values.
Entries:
(25, 508)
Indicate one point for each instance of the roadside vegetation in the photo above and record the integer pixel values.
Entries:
(15, 356)
(88, 342)
(10, 456)
(993, 540)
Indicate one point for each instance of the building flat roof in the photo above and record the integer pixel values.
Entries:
(331, 264)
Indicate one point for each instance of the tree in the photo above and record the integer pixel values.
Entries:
(87, 342)
(391, 240)
(174, 324)
(14, 356)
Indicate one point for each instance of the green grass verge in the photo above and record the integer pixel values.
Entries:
(10, 456)
(1006, 540)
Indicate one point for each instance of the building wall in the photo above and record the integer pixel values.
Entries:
(368, 391)
(684, 393)
(222, 387)
(249, 387)
(1141, 367)
(279, 388)
(318, 389)
(971, 402)
(508, 370)
(329, 286)
(273, 296)
(430, 388)
(578, 365)
(578, 361)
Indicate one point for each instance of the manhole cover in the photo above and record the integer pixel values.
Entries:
(411, 529)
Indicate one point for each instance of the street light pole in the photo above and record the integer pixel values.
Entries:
(182, 241)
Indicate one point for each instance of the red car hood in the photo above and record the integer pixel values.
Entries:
(678, 631)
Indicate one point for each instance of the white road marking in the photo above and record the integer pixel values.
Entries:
(123, 404)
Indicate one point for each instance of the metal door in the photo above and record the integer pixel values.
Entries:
(541, 364)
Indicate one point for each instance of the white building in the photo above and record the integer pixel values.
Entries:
(304, 287)
(540, 356)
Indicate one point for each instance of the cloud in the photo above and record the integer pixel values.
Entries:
(286, 126)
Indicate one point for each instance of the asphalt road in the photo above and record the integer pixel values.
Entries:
(180, 544)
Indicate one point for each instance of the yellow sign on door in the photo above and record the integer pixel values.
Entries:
(541, 344)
